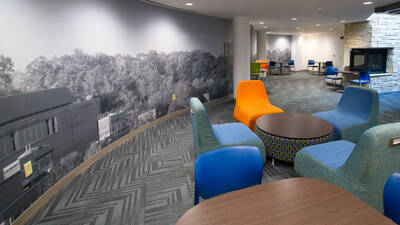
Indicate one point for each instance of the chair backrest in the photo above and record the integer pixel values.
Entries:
(203, 135)
(328, 64)
(331, 71)
(391, 198)
(374, 160)
(311, 62)
(291, 62)
(251, 91)
(272, 63)
(227, 169)
(255, 68)
(360, 102)
(364, 75)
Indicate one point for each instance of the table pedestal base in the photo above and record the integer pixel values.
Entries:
(285, 149)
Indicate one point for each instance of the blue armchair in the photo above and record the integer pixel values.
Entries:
(227, 169)
(362, 169)
(357, 111)
(391, 198)
(209, 137)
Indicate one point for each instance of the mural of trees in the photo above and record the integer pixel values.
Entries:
(143, 84)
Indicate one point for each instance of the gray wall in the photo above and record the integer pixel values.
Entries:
(56, 27)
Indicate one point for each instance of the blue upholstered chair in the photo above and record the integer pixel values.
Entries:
(357, 111)
(362, 169)
(208, 137)
(363, 78)
(331, 74)
(391, 198)
(227, 169)
(311, 63)
(290, 65)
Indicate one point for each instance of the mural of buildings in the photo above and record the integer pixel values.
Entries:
(43, 135)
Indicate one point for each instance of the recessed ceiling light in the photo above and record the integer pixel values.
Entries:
(261, 23)
(319, 8)
(294, 18)
(317, 25)
(298, 28)
(330, 29)
(367, 3)
(265, 27)
(343, 21)
(268, 32)
(189, 3)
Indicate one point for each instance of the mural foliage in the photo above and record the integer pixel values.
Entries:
(143, 84)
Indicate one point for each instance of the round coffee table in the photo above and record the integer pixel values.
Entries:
(284, 134)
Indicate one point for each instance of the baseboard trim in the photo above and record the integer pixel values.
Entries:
(43, 199)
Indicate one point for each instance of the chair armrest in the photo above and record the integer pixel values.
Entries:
(354, 132)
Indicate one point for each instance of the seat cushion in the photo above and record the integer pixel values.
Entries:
(234, 133)
(332, 154)
(339, 120)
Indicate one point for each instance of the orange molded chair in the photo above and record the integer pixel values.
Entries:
(252, 102)
(263, 65)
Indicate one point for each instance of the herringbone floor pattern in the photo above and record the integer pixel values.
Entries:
(149, 179)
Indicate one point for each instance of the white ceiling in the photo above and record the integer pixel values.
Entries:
(277, 14)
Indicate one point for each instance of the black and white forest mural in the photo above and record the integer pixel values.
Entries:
(279, 48)
(77, 75)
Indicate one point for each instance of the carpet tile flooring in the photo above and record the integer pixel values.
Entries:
(150, 178)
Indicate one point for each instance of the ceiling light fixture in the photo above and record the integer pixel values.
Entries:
(343, 21)
(294, 19)
(261, 23)
(188, 3)
(268, 32)
(330, 29)
(320, 9)
(317, 25)
(367, 3)
(265, 27)
(297, 28)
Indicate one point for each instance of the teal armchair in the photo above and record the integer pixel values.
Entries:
(356, 112)
(208, 137)
(362, 169)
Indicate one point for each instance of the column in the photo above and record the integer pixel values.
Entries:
(261, 45)
(241, 51)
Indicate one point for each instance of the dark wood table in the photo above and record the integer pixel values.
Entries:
(290, 201)
(284, 134)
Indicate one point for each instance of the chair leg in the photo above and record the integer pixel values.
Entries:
(196, 196)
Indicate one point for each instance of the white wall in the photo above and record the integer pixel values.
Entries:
(324, 47)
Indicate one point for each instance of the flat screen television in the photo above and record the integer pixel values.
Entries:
(372, 59)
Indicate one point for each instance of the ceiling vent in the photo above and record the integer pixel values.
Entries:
(391, 9)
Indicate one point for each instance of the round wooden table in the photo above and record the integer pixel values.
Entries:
(284, 134)
(290, 201)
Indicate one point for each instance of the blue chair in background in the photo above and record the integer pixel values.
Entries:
(363, 78)
(273, 67)
(326, 65)
(361, 169)
(391, 198)
(227, 169)
(331, 76)
(207, 137)
(311, 63)
(357, 111)
(290, 65)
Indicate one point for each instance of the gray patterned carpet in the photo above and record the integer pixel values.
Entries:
(149, 179)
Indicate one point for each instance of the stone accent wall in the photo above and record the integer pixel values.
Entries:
(380, 31)
(357, 35)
